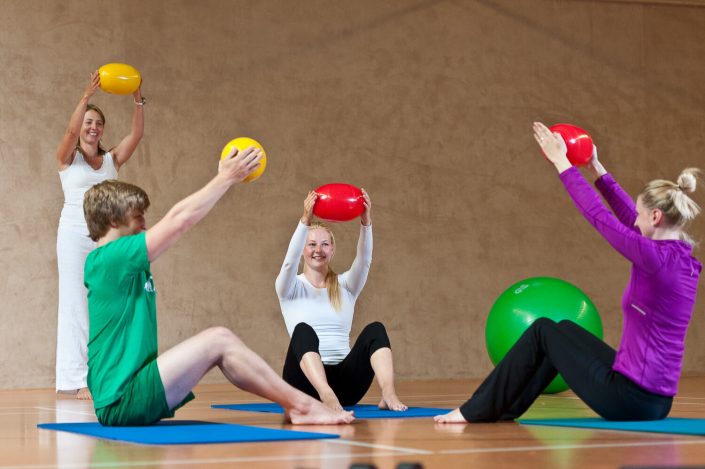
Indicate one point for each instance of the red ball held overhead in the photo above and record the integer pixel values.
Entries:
(578, 141)
(338, 202)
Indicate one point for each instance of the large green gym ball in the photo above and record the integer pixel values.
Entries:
(530, 299)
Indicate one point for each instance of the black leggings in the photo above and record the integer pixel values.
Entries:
(351, 378)
(547, 348)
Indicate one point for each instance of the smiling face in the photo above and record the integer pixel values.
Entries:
(319, 249)
(92, 127)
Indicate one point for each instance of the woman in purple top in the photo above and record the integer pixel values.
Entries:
(639, 379)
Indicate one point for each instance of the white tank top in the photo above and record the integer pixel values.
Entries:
(75, 181)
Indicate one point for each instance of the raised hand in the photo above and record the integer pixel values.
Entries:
(239, 164)
(595, 166)
(93, 85)
(366, 216)
(137, 94)
(309, 202)
(553, 146)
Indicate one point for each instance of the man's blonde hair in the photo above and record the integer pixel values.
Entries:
(109, 203)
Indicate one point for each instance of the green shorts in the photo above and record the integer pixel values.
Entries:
(143, 401)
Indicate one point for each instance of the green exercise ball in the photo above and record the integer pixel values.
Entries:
(530, 299)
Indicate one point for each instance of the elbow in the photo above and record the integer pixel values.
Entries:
(137, 135)
(180, 222)
(280, 285)
(184, 223)
(284, 282)
(280, 288)
(71, 135)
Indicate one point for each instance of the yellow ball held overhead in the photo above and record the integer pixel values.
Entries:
(243, 143)
(119, 78)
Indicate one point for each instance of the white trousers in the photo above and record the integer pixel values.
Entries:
(72, 248)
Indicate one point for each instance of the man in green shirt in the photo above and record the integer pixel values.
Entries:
(131, 384)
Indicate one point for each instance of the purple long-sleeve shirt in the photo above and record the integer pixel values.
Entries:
(658, 302)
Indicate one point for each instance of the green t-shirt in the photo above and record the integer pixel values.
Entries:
(122, 316)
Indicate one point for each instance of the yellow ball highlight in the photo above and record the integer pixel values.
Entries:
(243, 143)
(119, 78)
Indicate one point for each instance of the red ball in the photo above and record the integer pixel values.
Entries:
(578, 141)
(338, 202)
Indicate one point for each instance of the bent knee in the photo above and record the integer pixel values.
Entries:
(374, 335)
(303, 340)
(543, 322)
(303, 329)
(220, 334)
(376, 328)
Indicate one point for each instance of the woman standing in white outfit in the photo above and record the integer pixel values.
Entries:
(82, 162)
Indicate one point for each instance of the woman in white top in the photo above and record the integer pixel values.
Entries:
(318, 307)
(82, 162)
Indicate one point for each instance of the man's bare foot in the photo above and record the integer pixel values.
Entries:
(84, 394)
(331, 401)
(454, 416)
(391, 402)
(313, 412)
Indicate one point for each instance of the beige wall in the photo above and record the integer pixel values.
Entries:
(426, 104)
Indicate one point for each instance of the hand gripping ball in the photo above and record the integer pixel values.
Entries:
(578, 142)
(243, 143)
(524, 302)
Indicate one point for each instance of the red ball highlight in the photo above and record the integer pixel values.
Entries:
(578, 142)
(338, 202)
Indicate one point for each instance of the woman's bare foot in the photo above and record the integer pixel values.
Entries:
(331, 401)
(84, 394)
(391, 401)
(312, 412)
(454, 416)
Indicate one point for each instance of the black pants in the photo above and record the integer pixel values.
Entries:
(547, 348)
(349, 379)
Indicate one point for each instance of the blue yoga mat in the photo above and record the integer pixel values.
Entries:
(362, 411)
(680, 426)
(184, 432)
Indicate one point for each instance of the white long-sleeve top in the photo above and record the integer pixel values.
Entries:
(302, 302)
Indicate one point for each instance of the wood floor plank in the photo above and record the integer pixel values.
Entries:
(384, 443)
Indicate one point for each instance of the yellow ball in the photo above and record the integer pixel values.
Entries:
(243, 143)
(119, 78)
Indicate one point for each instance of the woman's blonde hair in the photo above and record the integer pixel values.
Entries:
(671, 198)
(331, 277)
(110, 202)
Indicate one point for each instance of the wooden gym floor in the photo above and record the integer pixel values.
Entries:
(384, 443)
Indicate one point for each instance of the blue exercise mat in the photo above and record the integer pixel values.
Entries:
(184, 432)
(362, 411)
(680, 426)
